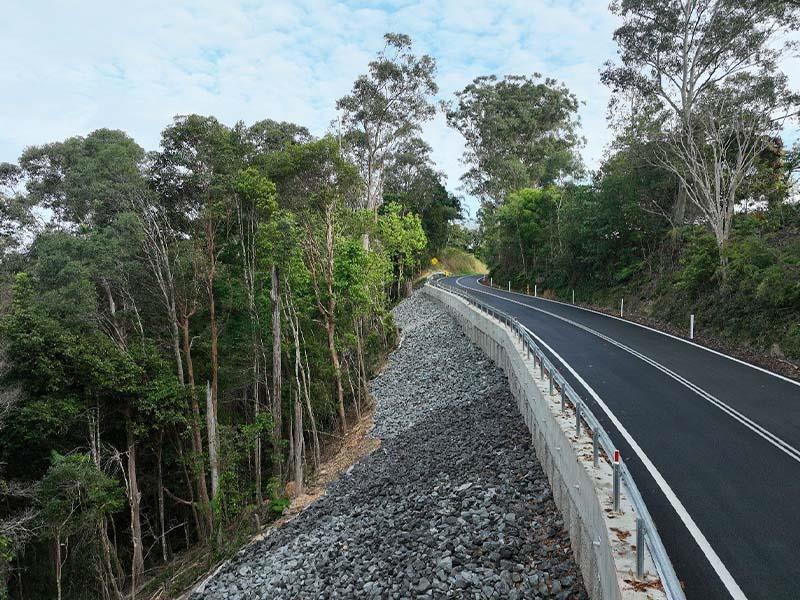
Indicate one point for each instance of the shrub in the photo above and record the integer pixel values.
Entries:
(699, 262)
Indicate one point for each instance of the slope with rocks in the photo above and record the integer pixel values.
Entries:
(454, 503)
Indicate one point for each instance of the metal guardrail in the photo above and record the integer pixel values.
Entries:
(600, 439)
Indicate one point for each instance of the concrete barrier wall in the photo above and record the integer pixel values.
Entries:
(603, 540)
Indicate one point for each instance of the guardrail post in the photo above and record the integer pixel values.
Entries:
(639, 548)
(646, 534)
(616, 480)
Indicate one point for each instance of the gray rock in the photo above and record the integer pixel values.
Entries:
(454, 504)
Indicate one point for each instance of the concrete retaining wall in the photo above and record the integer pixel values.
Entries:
(603, 540)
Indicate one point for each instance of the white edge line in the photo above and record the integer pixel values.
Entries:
(716, 563)
(664, 333)
(701, 540)
(743, 419)
(761, 431)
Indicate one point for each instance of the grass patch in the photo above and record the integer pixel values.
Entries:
(456, 261)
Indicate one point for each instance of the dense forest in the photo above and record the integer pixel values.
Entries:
(186, 330)
(694, 209)
(186, 333)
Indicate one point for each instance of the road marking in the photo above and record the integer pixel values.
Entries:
(664, 333)
(759, 430)
(713, 558)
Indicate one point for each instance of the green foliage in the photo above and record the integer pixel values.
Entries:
(278, 501)
(412, 181)
(86, 180)
(520, 132)
(402, 236)
(74, 494)
(257, 190)
(699, 262)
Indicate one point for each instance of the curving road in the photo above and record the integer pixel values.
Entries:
(712, 442)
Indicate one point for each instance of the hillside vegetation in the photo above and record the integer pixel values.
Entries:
(694, 208)
(454, 261)
(186, 333)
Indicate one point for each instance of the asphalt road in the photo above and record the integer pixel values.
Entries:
(714, 447)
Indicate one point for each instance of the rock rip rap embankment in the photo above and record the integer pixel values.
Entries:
(453, 505)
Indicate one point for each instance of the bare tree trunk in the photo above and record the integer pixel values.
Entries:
(134, 499)
(211, 423)
(679, 210)
(197, 438)
(306, 387)
(109, 578)
(163, 535)
(202, 533)
(326, 302)
(248, 223)
(275, 297)
(212, 387)
(176, 341)
(298, 443)
(337, 369)
(362, 369)
(59, 566)
(256, 414)
(330, 316)
(348, 368)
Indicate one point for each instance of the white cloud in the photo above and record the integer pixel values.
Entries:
(73, 67)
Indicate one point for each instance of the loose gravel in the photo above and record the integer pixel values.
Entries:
(453, 504)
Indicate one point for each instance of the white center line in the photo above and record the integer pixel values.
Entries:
(705, 546)
(762, 432)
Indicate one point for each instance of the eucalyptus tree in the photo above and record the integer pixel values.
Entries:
(85, 180)
(675, 56)
(316, 182)
(255, 203)
(413, 182)
(384, 107)
(195, 174)
(16, 218)
(520, 131)
(264, 138)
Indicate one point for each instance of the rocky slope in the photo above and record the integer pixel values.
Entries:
(453, 505)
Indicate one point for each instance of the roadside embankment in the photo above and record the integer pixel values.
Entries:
(452, 505)
(603, 533)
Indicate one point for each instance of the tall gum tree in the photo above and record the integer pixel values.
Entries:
(385, 106)
(674, 54)
(195, 174)
(520, 131)
(317, 182)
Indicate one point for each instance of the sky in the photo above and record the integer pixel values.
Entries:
(72, 67)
